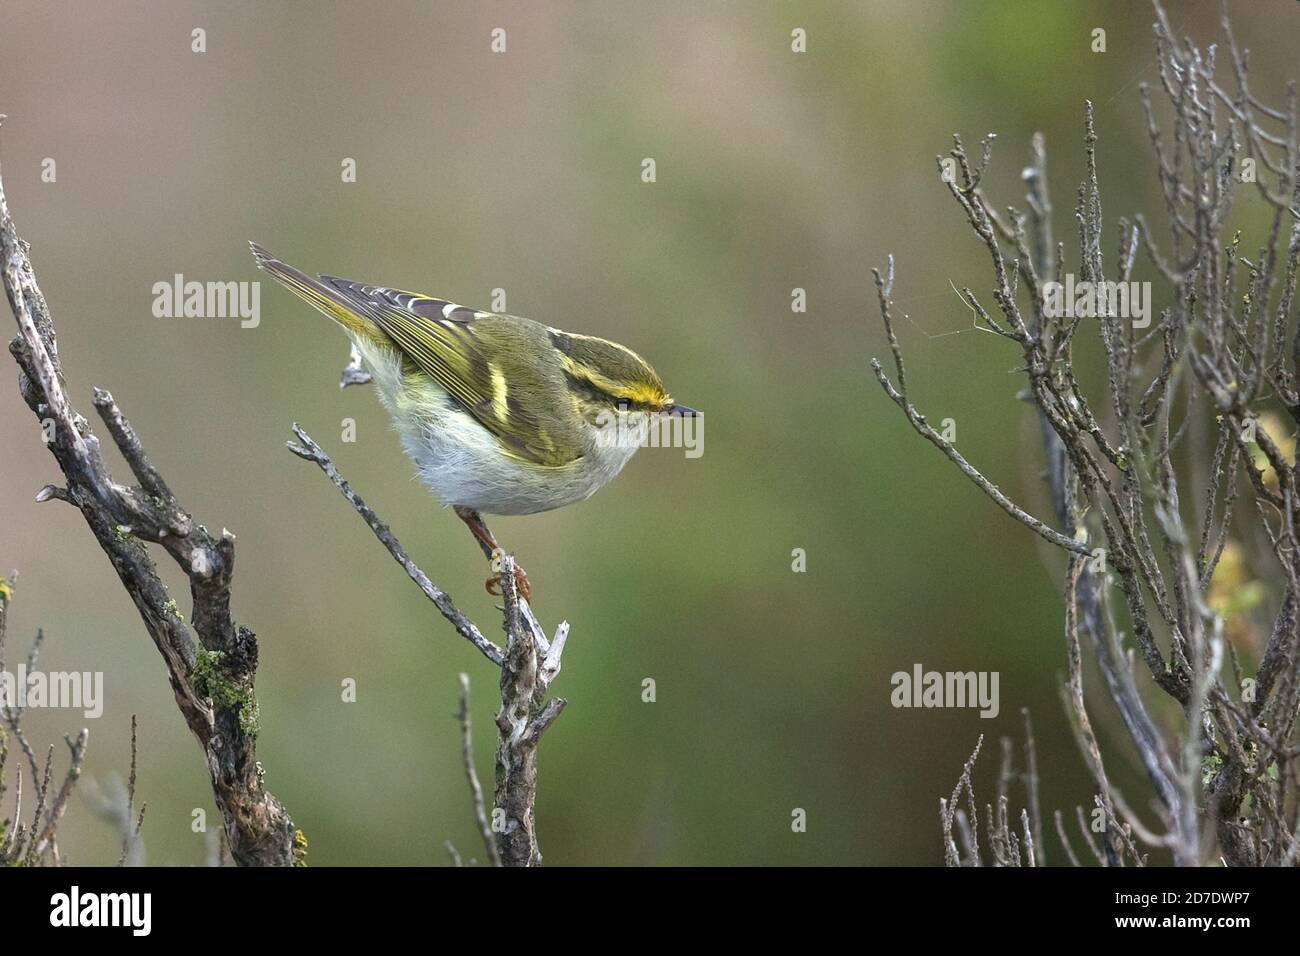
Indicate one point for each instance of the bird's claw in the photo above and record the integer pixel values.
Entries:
(493, 583)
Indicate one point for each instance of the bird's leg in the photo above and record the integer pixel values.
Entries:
(486, 540)
(492, 551)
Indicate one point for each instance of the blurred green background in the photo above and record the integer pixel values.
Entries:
(521, 170)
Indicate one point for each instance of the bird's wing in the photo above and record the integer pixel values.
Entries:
(444, 341)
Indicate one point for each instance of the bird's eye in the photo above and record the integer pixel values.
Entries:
(623, 404)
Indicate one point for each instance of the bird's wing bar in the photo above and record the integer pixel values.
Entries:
(440, 338)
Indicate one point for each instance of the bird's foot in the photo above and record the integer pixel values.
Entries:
(493, 583)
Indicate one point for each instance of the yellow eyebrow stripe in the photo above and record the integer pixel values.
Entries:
(643, 396)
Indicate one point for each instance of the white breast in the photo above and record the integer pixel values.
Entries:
(463, 464)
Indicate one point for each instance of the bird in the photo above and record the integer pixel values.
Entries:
(500, 414)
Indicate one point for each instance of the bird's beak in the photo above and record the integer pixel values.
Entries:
(684, 411)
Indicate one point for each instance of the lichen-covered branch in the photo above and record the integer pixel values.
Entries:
(211, 662)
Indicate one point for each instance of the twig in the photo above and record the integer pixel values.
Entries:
(528, 665)
(130, 836)
(310, 451)
(948, 811)
(475, 789)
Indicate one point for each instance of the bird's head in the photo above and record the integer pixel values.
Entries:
(606, 376)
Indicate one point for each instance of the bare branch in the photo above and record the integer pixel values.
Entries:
(211, 679)
(310, 451)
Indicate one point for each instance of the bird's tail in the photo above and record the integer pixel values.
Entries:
(317, 294)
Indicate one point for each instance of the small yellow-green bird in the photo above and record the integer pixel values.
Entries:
(501, 414)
